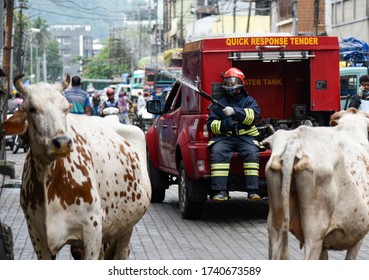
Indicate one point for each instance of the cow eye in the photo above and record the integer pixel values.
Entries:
(32, 110)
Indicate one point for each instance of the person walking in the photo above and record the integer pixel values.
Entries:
(233, 130)
(141, 102)
(78, 98)
(123, 103)
(96, 100)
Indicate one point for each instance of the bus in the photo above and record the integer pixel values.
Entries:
(161, 77)
(137, 82)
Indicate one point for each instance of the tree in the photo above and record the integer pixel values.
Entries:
(54, 63)
(42, 37)
(113, 60)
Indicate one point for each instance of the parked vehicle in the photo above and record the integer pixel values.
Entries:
(295, 81)
(18, 143)
(349, 83)
(161, 77)
(137, 83)
(354, 63)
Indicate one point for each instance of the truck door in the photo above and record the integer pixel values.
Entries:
(324, 82)
(168, 127)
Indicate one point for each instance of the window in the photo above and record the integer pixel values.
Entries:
(67, 40)
(348, 85)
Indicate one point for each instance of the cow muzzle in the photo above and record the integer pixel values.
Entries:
(61, 146)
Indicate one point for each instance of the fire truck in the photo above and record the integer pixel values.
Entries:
(295, 81)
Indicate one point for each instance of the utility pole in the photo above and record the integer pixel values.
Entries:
(20, 53)
(182, 41)
(234, 16)
(294, 18)
(249, 17)
(7, 49)
(8, 28)
(316, 16)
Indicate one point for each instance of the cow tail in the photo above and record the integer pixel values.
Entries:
(287, 171)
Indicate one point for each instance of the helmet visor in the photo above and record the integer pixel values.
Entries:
(231, 82)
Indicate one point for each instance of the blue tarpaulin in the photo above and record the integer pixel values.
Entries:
(355, 51)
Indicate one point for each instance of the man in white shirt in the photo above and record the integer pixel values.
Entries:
(141, 102)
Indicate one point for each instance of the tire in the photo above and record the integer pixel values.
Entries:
(188, 209)
(16, 145)
(159, 183)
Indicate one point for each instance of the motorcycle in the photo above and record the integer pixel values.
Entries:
(19, 143)
(9, 139)
(143, 119)
(111, 113)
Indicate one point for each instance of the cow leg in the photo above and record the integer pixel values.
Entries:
(277, 229)
(354, 251)
(39, 245)
(324, 254)
(76, 249)
(92, 242)
(311, 211)
(123, 247)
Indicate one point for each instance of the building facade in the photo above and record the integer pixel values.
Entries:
(349, 18)
(75, 44)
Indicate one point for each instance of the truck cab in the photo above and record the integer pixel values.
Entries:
(349, 83)
(295, 81)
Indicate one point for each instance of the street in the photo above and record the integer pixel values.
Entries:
(235, 229)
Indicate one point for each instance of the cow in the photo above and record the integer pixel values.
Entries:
(318, 187)
(83, 184)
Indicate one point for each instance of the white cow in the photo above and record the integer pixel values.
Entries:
(318, 184)
(83, 184)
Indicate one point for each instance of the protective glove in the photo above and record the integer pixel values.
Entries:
(227, 124)
(228, 111)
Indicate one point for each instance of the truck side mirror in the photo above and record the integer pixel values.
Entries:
(154, 107)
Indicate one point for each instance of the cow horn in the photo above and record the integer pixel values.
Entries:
(18, 84)
(66, 82)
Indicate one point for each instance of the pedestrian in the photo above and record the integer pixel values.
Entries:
(141, 102)
(18, 99)
(233, 130)
(96, 103)
(14, 104)
(360, 100)
(124, 103)
(110, 102)
(78, 98)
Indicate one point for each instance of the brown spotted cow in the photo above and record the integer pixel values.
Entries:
(83, 184)
(318, 184)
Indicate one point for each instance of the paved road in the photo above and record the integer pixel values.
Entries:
(235, 230)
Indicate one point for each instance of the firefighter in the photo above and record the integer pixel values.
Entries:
(233, 130)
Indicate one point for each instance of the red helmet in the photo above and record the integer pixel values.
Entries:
(233, 81)
(109, 91)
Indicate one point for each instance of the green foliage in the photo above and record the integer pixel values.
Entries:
(54, 63)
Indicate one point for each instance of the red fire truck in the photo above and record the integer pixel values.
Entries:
(295, 81)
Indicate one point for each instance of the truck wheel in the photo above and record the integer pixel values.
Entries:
(187, 208)
(159, 183)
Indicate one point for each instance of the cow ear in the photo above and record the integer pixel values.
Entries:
(16, 124)
(333, 123)
(335, 117)
(352, 110)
